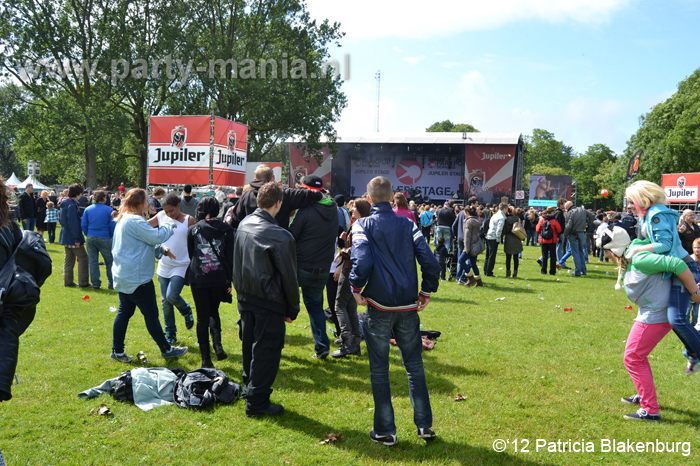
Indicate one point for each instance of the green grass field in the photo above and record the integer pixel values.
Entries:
(527, 369)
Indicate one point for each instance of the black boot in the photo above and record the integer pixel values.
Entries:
(507, 273)
(348, 347)
(216, 343)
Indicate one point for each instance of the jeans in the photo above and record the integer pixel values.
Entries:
(262, 334)
(426, 233)
(568, 254)
(577, 243)
(346, 306)
(28, 223)
(460, 248)
(678, 306)
(490, 261)
(443, 232)
(143, 297)
(170, 289)
(468, 263)
(377, 329)
(51, 228)
(531, 237)
(515, 262)
(642, 339)
(562, 243)
(312, 285)
(95, 246)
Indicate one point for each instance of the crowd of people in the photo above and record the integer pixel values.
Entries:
(276, 246)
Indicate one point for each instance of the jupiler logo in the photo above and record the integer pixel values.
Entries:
(231, 140)
(178, 136)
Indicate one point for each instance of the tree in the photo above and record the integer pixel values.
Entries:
(9, 108)
(669, 134)
(584, 170)
(543, 148)
(448, 127)
(270, 72)
(63, 47)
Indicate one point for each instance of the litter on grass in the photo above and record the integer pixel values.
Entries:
(501, 299)
(103, 410)
(568, 309)
(112, 309)
(332, 438)
(86, 298)
(629, 308)
(460, 397)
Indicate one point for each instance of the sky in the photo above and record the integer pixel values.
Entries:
(584, 70)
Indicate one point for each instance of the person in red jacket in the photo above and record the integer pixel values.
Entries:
(549, 229)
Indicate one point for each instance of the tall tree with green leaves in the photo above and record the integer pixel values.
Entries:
(670, 134)
(584, 170)
(10, 107)
(448, 127)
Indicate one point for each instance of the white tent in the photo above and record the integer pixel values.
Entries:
(12, 180)
(34, 182)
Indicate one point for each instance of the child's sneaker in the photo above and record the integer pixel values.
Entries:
(174, 352)
(121, 357)
(632, 400)
(642, 415)
(692, 368)
(387, 440)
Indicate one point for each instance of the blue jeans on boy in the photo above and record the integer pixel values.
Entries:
(143, 297)
(577, 246)
(51, 228)
(170, 289)
(312, 284)
(568, 254)
(95, 246)
(562, 245)
(377, 330)
(531, 237)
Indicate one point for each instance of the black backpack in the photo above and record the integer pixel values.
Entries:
(547, 230)
(202, 388)
(484, 228)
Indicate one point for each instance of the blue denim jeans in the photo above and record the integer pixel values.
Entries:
(460, 248)
(678, 312)
(143, 297)
(568, 254)
(170, 289)
(577, 246)
(468, 263)
(377, 330)
(95, 246)
(312, 285)
(531, 237)
(443, 232)
(562, 244)
(29, 224)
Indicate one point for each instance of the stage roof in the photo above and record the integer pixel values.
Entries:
(428, 138)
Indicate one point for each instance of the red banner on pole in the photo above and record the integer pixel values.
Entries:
(230, 152)
(178, 150)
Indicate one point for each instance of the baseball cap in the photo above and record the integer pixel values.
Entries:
(312, 182)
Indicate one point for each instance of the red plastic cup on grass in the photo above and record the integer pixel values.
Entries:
(629, 308)
(86, 298)
(568, 309)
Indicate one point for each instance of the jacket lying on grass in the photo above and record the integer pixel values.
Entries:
(645, 284)
(151, 387)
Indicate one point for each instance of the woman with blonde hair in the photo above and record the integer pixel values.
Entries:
(135, 248)
(658, 223)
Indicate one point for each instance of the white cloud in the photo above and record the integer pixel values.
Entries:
(397, 49)
(366, 19)
(413, 60)
(360, 116)
(451, 64)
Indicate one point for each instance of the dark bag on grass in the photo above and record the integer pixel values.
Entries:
(202, 388)
(123, 390)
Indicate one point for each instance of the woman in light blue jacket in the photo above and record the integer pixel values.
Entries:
(658, 223)
(135, 248)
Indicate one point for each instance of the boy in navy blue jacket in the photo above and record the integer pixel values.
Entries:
(384, 278)
(441, 254)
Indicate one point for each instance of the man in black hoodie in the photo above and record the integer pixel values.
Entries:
(293, 199)
(315, 229)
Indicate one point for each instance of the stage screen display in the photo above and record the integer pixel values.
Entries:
(488, 173)
(546, 189)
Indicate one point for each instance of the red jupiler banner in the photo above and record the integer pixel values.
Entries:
(303, 164)
(230, 152)
(682, 188)
(178, 150)
(488, 172)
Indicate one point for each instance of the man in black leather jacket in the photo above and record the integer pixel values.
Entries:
(265, 278)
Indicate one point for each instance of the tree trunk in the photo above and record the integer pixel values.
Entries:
(90, 167)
